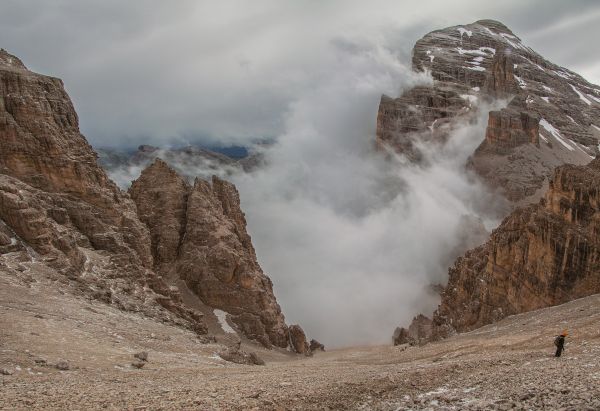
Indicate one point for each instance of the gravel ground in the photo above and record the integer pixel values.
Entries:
(508, 365)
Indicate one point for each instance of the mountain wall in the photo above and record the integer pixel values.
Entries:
(541, 255)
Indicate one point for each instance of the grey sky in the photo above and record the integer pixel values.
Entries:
(223, 71)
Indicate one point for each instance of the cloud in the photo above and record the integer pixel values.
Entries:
(352, 241)
(226, 72)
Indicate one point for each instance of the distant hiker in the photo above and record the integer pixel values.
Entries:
(559, 341)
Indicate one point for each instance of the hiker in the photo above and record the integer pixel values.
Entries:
(559, 341)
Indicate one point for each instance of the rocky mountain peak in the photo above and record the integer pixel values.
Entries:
(199, 235)
(7, 60)
(551, 117)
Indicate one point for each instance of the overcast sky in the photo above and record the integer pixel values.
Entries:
(227, 71)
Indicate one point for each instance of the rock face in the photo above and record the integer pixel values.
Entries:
(552, 116)
(199, 235)
(541, 255)
(58, 205)
(298, 340)
(418, 332)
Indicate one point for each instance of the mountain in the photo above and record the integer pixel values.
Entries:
(551, 117)
(541, 255)
(61, 217)
(538, 151)
(59, 207)
(199, 234)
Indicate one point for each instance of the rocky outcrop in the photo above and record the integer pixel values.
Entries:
(316, 346)
(541, 255)
(57, 205)
(552, 115)
(199, 235)
(298, 340)
(419, 332)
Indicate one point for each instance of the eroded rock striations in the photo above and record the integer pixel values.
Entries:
(541, 255)
(199, 235)
(552, 116)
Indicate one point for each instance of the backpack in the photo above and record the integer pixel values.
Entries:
(557, 340)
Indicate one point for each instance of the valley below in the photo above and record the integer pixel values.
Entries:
(506, 365)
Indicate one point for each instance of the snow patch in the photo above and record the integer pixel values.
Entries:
(546, 99)
(548, 89)
(433, 124)
(515, 66)
(543, 138)
(581, 95)
(562, 74)
(596, 127)
(222, 317)
(476, 68)
(517, 45)
(482, 51)
(470, 98)
(490, 31)
(596, 99)
(521, 82)
(571, 118)
(475, 88)
(555, 133)
(463, 31)
(529, 99)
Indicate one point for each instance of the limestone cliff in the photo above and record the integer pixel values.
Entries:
(541, 255)
(199, 235)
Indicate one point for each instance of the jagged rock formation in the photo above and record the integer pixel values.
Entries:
(552, 118)
(541, 255)
(57, 205)
(199, 235)
(418, 332)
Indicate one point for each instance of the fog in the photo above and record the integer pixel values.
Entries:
(353, 239)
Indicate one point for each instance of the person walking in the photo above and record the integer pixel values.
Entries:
(559, 341)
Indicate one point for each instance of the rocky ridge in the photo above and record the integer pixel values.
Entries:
(552, 115)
